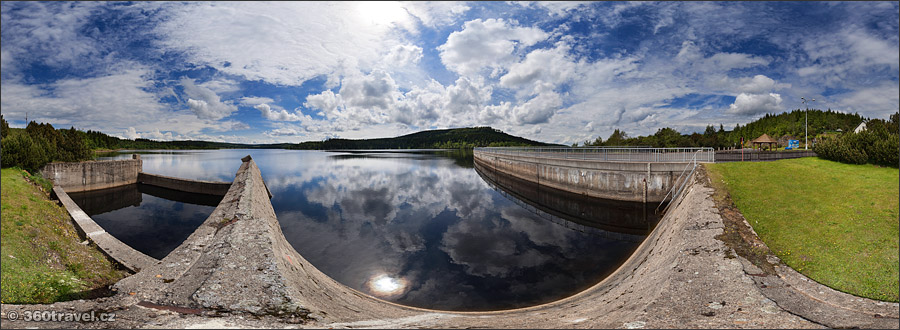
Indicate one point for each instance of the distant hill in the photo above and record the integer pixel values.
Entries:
(454, 138)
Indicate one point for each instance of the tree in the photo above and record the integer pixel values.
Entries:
(4, 131)
(617, 138)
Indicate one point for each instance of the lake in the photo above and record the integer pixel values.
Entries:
(419, 228)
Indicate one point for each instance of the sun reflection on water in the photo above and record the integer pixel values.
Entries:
(384, 285)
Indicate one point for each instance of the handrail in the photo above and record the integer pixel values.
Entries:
(609, 154)
(681, 187)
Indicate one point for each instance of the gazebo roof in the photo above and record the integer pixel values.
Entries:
(764, 139)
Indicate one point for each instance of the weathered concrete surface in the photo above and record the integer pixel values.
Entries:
(634, 182)
(112, 247)
(90, 175)
(191, 186)
(243, 271)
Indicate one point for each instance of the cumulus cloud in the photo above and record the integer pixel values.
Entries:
(405, 54)
(486, 44)
(753, 104)
(204, 102)
(278, 114)
(553, 66)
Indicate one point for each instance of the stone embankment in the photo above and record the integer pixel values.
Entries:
(239, 268)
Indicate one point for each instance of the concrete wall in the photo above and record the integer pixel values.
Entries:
(125, 255)
(191, 186)
(91, 175)
(634, 182)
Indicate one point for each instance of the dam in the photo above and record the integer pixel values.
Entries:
(239, 262)
(644, 175)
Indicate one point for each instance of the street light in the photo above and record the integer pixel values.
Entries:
(806, 124)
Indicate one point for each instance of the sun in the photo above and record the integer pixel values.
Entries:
(381, 12)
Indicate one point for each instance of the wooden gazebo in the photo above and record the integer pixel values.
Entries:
(764, 139)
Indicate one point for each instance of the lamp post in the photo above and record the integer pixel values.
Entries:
(806, 124)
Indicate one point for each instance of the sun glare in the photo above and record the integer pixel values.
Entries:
(385, 285)
(381, 12)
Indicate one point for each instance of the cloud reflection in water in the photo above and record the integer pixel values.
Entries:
(419, 230)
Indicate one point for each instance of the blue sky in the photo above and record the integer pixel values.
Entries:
(563, 72)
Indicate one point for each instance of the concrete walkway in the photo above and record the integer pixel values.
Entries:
(237, 270)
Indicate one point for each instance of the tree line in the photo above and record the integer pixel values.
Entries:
(785, 125)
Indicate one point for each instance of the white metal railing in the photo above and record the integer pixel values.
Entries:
(693, 166)
(610, 154)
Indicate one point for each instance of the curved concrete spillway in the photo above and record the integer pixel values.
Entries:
(681, 276)
(239, 260)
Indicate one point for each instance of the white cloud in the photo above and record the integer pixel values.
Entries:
(878, 101)
(282, 43)
(486, 44)
(758, 84)
(753, 104)
(131, 133)
(204, 102)
(52, 33)
(553, 66)
(112, 101)
(539, 109)
(435, 13)
(278, 114)
(405, 55)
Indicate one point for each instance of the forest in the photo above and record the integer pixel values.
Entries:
(785, 125)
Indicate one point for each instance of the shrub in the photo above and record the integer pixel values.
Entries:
(21, 150)
(879, 144)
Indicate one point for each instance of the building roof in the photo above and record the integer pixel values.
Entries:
(765, 138)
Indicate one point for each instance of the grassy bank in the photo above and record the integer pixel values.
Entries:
(42, 260)
(835, 223)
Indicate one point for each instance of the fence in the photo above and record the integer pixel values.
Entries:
(757, 156)
(610, 154)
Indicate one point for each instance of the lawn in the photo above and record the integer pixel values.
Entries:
(835, 223)
(42, 260)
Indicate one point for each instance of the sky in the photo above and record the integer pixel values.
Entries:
(559, 72)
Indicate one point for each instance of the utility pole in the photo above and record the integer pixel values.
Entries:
(806, 124)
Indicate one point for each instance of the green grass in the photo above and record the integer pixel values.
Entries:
(42, 260)
(835, 223)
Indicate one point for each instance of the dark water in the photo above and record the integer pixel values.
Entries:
(423, 228)
(150, 219)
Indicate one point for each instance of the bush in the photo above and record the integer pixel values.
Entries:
(879, 144)
(40, 144)
(21, 150)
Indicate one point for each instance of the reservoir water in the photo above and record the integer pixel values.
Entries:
(419, 228)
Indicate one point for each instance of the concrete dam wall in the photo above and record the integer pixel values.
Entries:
(105, 174)
(634, 182)
(191, 186)
(92, 175)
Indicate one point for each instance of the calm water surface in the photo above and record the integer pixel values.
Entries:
(422, 229)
